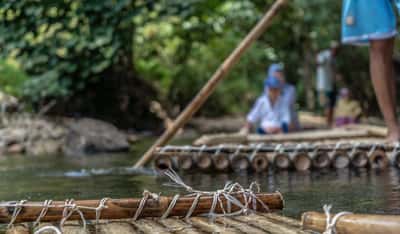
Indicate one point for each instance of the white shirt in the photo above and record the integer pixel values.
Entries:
(267, 115)
(325, 71)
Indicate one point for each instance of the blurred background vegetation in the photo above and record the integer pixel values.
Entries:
(110, 58)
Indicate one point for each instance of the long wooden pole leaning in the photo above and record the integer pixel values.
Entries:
(209, 87)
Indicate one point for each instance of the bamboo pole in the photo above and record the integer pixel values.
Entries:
(301, 161)
(358, 158)
(353, 223)
(221, 161)
(339, 159)
(203, 161)
(184, 162)
(395, 159)
(239, 162)
(320, 159)
(279, 160)
(378, 159)
(163, 162)
(259, 162)
(126, 208)
(210, 86)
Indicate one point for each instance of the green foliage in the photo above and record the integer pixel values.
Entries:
(176, 45)
(63, 45)
(11, 78)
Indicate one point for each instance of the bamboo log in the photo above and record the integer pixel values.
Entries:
(116, 228)
(126, 208)
(184, 162)
(203, 161)
(207, 227)
(320, 159)
(210, 86)
(221, 161)
(353, 223)
(259, 162)
(279, 160)
(358, 158)
(179, 227)
(148, 226)
(378, 159)
(395, 159)
(301, 161)
(339, 159)
(239, 162)
(163, 162)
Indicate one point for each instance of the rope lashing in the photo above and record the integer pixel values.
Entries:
(43, 213)
(249, 197)
(17, 209)
(395, 149)
(373, 148)
(99, 209)
(69, 209)
(142, 203)
(355, 147)
(256, 149)
(331, 221)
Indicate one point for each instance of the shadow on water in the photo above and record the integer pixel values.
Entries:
(59, 178)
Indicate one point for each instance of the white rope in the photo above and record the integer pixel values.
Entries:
(43, 213)
(45, 229)
(171, 206)
(249, 197)
(331, 223)
(256, 149)
(100, 208)
(69, 209)
(17, 209)
(373, 148)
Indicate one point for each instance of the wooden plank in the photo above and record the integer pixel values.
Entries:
(243, 227)
(316, 135)
(178, 226)
(116, 227)
(267, 225)
(18, 229)
(204, 225)
(150, 226)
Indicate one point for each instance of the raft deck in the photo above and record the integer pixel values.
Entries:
(254, 223)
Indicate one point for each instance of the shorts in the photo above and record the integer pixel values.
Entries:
(327, 99)
(363, 22)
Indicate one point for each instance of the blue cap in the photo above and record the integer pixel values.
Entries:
(272, 82)
(274, 68)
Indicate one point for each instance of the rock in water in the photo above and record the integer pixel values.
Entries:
(89, 136)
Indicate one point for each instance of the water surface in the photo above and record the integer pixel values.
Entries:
(94, 177)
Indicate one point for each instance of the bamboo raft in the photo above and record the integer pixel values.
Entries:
(259, 223)
(361, 133)
(262, 157)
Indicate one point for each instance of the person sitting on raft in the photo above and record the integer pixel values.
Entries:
(288, 93)
(348, 110)
(270, 110)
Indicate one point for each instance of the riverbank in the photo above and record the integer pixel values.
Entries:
(32, 135)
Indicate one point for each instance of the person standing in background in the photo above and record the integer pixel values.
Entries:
(374, 24)
(326, 86)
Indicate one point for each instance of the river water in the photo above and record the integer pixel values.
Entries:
(94, 177)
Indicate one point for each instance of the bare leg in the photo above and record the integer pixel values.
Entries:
(381, 53)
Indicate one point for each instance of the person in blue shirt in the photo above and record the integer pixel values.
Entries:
(288, 93)
(270, 114)
(373, 23)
